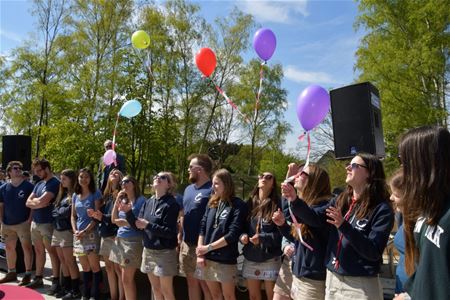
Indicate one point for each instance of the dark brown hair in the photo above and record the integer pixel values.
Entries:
(374, 193)
(42, 162)
(267, 207)
(425, 157)
(317, 189)
(72, 175)
(228, 191)
(91, 186)
(203, 161)
(137, 190)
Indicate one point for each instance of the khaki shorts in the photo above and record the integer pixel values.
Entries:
(307, 289)
(214, 271)
(127, 252)
(21, 231)
(63, 239)
(284, 280)
(41, 232)
(352, 287)
(188, 259)
(267, 270)
(107, 245)
(160, 262)
(89, 243)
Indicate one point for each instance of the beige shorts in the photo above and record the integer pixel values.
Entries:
(20, 231)
(188, 259)
(89, 243)
(107, 245)
(284, 280)
(352, 287)
(214, 271)
(160, 262)
(127, 252)
(307, 289)
(41, 232)
(62, 239)
(267, 270)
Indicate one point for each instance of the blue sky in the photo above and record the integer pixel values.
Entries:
(316, 40)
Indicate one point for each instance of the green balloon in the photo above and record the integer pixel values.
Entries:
(140, 39)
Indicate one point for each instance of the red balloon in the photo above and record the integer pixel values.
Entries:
(206, 61)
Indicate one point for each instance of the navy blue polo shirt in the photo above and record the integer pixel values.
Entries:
(194, 205)
(44, 215)
(14, 199)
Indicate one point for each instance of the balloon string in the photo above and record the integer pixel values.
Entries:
(309, 150)
(114, 132)
(234, 106)
(258, 95)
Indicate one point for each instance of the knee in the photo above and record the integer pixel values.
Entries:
(10, 247)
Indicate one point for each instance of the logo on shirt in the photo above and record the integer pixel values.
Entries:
(432, 233)
(361, 224)
(158, 212)
(21, 194)
(224, 214)
(198, 198)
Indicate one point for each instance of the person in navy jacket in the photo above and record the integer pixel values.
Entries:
(221, 226)
(262, 239)
(313, 187)
(362, 219)
(158, 219)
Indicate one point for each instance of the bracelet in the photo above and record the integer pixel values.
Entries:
(209, 248)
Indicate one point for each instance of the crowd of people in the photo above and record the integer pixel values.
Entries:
(302, 243)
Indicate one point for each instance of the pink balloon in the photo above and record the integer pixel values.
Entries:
(109, 157)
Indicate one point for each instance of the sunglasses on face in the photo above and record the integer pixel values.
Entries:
(162, 177)
(16, 168)
(355, 166)
(265, 176)
(304, 174)
(125, 181)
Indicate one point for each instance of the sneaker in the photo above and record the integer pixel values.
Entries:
(55, 288)
(71, 295)
(35, 283)
(61, 293)
(25, 280)
(9, 277)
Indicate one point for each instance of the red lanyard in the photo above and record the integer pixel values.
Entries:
(341, 236)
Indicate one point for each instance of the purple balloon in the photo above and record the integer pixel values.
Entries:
(264, 42)
(313, 105)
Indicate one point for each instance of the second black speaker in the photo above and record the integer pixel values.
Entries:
(356, 116)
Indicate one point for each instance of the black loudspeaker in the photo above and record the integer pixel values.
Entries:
(16, 147)
(356, 115)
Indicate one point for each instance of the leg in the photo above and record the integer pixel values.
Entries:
(39, 249)
(62, 260)
(167, 287)
(11, 255)
(69, 259)
(215, 289)
(129, 285)
(228, 290)
(194, 289)
(156, 286)
(254, 289)
(268, 286)
(206, 293)
(27, 254)
(277, 296)
(94, 263)
(53, 257)
(118, 271)
(112, 279)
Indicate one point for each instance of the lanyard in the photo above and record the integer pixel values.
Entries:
(341, 236)
(298, 227)
(220, 208)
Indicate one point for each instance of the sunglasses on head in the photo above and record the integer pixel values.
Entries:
(354, 166)
(125, 181)
(265, 176)
(162, 177)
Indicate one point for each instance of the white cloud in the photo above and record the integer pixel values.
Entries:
(275, 11)
(297, 75)
(11, 35)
